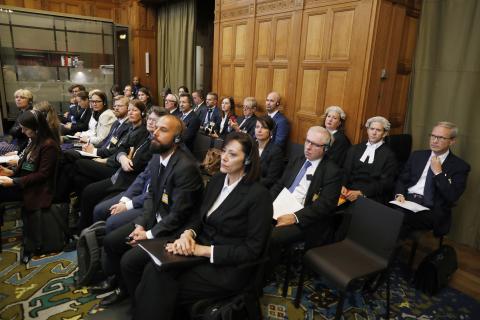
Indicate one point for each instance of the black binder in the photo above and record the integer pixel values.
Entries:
(165, 260)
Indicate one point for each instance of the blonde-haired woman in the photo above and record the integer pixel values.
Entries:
(333, 120)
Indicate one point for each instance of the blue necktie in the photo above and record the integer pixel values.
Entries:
(299, 176)
(106, 141)
(429, 190)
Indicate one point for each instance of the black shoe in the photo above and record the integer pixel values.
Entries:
(116, 297)
(26, 257)
(107, 285)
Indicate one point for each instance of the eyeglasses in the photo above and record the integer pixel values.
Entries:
(120, 105)
(95, 101)
(151, 119)
(439, 138)
(316, 145)
(172, 101)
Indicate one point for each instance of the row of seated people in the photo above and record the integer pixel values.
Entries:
(233, 231)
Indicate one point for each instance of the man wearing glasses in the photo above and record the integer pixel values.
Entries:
(434, 178)
(315, 183)
(171, 104)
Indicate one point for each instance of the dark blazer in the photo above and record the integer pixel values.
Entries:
(215, 117)
(374, 180)
(82, 119)
(177, 113)
(176, 197)
(281, 131)
(238, 229)
(226, 128)
(117, 131)
(138, 189)
(37, 186)
(139, 140)
(198, 109)
(325, 187)
(271, 164)
(249, 125)
(338, 150)
(449, 185)
(192, 124)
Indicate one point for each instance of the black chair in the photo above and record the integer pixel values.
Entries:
(401, 145)
(200, 147)
(367, 251)
(293, 150)
(3, 208)
(218, 143)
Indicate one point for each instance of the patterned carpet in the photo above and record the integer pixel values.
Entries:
(44, 289)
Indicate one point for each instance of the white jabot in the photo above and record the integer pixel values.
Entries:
(370, 151)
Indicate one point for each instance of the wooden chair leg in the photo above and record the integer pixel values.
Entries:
(287, 272)
(301, 280)
(339, 311)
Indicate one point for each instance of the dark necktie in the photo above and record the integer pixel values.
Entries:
(106, 141)
(209, 116)
(299, 176)
(429, 190)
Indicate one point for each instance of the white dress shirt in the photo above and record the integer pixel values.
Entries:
(419, 187)
(300, 192)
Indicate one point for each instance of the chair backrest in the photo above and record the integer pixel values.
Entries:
(374, 226)
(293, 151)
(201, 145)
(218, 144)
(401, 145)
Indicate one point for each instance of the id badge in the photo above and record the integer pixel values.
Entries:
(28, 166)
(315, 197)
(165, 198)
(114, 140)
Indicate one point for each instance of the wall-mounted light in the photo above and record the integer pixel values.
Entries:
(147, 62)
(122, 36)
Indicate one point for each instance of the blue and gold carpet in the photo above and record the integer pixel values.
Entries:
(43, 289)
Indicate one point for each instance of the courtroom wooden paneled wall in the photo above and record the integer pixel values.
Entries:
(318, 53)
(141, 20)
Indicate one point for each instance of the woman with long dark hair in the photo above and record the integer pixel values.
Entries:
(222, 127)
(145, 96)
(231, 232)
(32, 180)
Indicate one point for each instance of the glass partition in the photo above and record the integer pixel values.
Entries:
(47, 54)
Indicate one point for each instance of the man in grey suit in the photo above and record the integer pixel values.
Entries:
(172, 199)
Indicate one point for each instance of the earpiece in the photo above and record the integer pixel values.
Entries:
(177, 139)
(247, 161)
(278, 103)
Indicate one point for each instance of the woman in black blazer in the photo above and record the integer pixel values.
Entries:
(232, 230)
(333, 120)
(271, 156)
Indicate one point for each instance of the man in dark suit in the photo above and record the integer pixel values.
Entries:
(190, 119)
(434, 178)
(370, 167)
(210, 115)
(315, 182)
(118, 131)
(171, 104)
(199, 102)
(248, 121)
(173, 198)
(282, 128)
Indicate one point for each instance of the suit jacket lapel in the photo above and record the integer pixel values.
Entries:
(226, 205)
(295, 169)
(216, 188)
(171, 163)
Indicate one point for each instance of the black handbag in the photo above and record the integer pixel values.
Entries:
(436, 269)
(46, 230)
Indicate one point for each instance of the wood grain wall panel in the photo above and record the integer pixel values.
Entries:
(264, 40)
(335, 88)
(280, 81)
(74, 8)
(314, 38)
(315, 53)
(282, 35)
(240, 42)
(239, 84)
(341, 38)
(226, 85)
(309, 92)
(227, 43)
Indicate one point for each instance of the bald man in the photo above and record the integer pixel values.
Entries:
(173, 197)
(282, 128)
(315, 182)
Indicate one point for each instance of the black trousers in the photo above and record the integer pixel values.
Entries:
(412, 221)
(93, 194)
(115, 246)
(87, 171)
(166, 293)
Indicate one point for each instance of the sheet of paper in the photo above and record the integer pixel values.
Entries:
(72, 137)
(6, 159)
(87, 154)
(285, 203)
(155, 259)
(410, 205)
